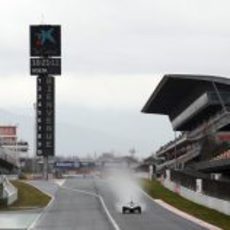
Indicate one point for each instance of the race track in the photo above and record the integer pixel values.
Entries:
(77, 206)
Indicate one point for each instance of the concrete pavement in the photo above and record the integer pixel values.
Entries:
(74, 210)
(17, 219)
(22, 219)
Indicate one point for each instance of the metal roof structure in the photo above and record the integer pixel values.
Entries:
(174, 88)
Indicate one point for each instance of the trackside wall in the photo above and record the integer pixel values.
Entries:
(197, 196)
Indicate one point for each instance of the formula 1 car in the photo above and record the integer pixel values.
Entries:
(131, 207)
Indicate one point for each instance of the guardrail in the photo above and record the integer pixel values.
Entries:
(171, 145)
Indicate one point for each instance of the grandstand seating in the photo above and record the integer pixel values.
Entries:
(223, 156)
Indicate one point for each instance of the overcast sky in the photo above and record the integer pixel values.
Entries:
(114, 52)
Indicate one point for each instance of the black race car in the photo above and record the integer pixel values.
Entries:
(131, 207)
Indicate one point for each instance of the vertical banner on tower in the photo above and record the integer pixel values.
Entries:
(45, 116)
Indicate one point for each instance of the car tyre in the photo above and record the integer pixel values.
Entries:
(139, 210)
(123, 210)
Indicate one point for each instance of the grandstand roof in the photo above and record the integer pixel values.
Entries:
(174, 88)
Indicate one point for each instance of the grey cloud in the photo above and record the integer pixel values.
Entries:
(123, 36)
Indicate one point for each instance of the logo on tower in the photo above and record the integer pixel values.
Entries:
(45, 36)
(45, 40)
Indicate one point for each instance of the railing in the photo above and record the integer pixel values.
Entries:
(212, 125)
(181, 159)
(198, 132)
(172, 144)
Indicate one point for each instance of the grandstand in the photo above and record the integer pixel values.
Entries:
(199, 108)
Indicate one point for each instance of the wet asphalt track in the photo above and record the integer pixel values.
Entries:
(73, 209)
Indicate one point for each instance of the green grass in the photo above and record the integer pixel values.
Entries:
(28, 197)
(157, 191)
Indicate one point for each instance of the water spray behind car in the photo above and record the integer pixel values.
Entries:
(126, 190)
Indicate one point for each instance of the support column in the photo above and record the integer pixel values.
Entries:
(199, 185)
(46, 167)
(150, 172)
(168, 174)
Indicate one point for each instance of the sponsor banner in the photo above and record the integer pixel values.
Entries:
(45, 40)
(67, 164)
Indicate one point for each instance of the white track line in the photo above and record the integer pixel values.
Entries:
(111, 219)
(115, 225)
(182, 214)
(32, 225)
(59, 182)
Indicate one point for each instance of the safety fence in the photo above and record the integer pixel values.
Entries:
(219, 189)
(215, 188)
(183, 179)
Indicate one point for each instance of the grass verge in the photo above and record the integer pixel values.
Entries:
(28, 197)
(157, 191)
